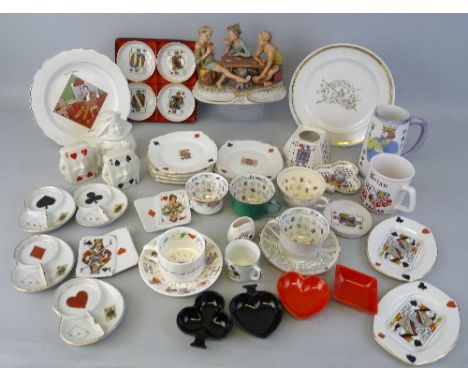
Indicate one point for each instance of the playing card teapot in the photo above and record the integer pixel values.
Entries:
(307, 147)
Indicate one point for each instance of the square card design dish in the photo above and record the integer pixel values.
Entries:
(400, 250)
(415, 323)
(97, 256)
(345, 219)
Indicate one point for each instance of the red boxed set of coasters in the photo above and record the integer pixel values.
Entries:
(161, 75)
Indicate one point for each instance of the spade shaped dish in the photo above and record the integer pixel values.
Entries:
(303, 296)
(340, 176)
(258, 312)
(205, 318)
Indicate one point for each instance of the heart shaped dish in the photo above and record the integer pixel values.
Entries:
(205, 318)
(303, 296)
(340, 176)
(258, 312)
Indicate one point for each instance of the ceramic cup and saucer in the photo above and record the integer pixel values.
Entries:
(300, 241)
(42, 261)
(181, 262)
(99, 204)
(402, 249)
(89, 309)
(46, 209)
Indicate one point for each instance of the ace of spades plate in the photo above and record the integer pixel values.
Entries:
(97, 256)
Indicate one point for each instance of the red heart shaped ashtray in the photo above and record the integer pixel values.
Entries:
(303, 296)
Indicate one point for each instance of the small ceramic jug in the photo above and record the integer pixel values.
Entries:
(307, 147)
(241, 228)
(387, 133)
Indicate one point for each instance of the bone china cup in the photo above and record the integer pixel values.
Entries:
(181, 254)
(206, 192)
(302, 187)
(251, 195)
(302, 232)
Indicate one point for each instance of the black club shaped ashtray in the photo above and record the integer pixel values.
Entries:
(205, 319)
(258, 312)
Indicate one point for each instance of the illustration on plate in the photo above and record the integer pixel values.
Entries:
(176, 101)
(172, 208)
(340, 92)
(176, 62)
(400, 249)
(97, 257)
(137, 59)
(80, 102)
(138, 100)
(347, 220)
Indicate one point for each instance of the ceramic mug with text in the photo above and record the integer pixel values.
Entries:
(387, 183)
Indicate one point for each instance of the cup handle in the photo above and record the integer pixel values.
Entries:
(412, 200)
(422, 135)
(274, 207)
(324, 202)
(256, 273)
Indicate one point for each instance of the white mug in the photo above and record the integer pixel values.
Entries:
(387, 183)
(242, 257)
(241, 228)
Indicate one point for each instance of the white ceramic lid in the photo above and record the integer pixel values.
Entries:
(176, 62)
(72, 89)
(143, 101)
(337, 87)
(136, 60)
(176, 102)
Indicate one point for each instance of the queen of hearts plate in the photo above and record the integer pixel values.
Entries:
(182, 152)
(176, 62)
(336, 88)
(151, 274)
(175, 102)
(271, 248)
(136, 60)
(417, 323)
(72, 89)
(89, 310)
(249, 157)
(402, 249)
(42, 261)
(99, 204)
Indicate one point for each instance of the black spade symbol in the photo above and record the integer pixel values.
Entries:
(399, 220)
(45, 202)
(156, 143)
(417, 343)
(405, 276)
(117, 163)
(92, 198)
(394, 234)
(128, 158)
(210, 160)
(411, 358)
(405, 264)
(422, 286)
(131, 181)
(120, 185)
(258, 312)
(414, 302)
(205, 318)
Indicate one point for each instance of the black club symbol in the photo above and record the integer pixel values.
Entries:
(92, 198)
(422, 286)
(399, 220)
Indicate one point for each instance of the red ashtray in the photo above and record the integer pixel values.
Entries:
(355, 289)
(302, 296)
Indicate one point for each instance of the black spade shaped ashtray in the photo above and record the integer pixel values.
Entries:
(258, 312)
(205, 319)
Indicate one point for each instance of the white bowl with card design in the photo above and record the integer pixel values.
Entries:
(89, 310)
(402, 249)
(43, 261)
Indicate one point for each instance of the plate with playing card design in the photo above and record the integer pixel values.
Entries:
(402, 249)
(42, 261)
(106, 255)
(99, 204)
(417, 323)
(89, 310)
(46, 209)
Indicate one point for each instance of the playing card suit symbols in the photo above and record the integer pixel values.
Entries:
(45, 202)
(78, 301)
(426, 231)
(452, 304)
(74, 156)
(84, 152)
(303, 296)
(121, 251)
(205, 319)
(92, 197)
(258, 312)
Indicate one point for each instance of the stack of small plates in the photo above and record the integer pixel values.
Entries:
(175, 157)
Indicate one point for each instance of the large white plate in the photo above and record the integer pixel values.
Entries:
(417, 323)
(176, 62)
(91, 70)
(402, 249)
(182, 152)
(249, 157)
(336, 88)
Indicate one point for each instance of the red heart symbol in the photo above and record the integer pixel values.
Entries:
(381, 335)
(79, 178)
(270, 150)
(74, 155)
(79, 300)
(89, 174)
(84, 152)
(151, 213)
(121, 251)
(302, 296)
(451, 304)
(197, 135)
(425, 231)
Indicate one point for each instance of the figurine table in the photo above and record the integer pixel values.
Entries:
(233, 62)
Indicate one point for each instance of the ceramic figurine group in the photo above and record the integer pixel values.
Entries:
(416, 322)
